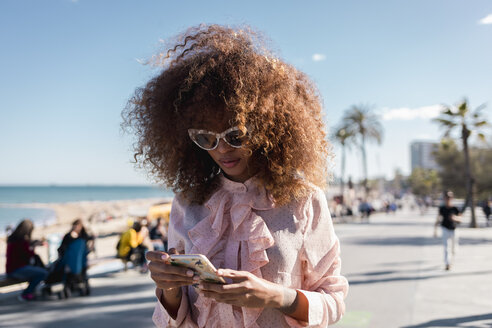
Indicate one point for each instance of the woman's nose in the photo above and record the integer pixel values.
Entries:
(223, 146)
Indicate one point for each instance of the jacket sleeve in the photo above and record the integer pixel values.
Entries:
(323, 285)
(161, 318)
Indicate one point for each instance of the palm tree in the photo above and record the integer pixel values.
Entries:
(343, 137)
(468, 122)
(361, 122)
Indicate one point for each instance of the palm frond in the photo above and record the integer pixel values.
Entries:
(344, 136)
(463, 108)
(481, 123)
(447, 111)
(362, 122)
(481, 136)
(445, 122)
(479, 109)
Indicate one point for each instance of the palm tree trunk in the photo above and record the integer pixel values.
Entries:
(364, 163)
(343, 174)
(470, 201)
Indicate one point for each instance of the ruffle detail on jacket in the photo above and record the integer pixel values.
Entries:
(248, 229)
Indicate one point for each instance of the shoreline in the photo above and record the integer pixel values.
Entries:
(104, 219)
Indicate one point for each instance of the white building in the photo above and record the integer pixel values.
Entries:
(421, 155)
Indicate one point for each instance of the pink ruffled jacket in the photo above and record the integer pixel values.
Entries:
(240, 228)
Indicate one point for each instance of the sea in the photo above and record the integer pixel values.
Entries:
(13, 199)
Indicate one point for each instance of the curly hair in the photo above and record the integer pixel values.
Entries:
(211, 70)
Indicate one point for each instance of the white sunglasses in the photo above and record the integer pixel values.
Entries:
(208, 140)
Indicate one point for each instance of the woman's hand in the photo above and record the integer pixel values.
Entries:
(169, 279)
(248, 290)
(166, 276)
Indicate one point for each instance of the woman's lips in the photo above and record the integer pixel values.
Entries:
(229, 163)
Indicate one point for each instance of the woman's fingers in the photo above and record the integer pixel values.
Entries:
(240, 283)
(160, 256)
(234, 294)
(232, 289)
(236, 276)
(159, 262)
(173, 251)
(167, 280)
(166, 275)
(156, 256)
(247, 290)
(159, 267)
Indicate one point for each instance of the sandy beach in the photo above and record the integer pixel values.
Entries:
(104, 219)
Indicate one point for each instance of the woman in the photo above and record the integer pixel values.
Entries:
(22, 262)
(238, 135)
(77, 231)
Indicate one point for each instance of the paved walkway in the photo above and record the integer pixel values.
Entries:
(397, 278)
(394, 266)
(120, 300)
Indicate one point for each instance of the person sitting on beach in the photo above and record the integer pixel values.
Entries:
(238, 134)
(131, 245)
(77, 231)
(22, 262)
(158, 235)
(79, 262)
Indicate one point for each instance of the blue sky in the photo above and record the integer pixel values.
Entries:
(67, 69)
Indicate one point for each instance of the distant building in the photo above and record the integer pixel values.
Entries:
(421, 155)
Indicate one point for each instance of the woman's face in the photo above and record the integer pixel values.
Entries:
(232, 161)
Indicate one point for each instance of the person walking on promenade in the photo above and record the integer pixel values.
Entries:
(239, 136)
(448, 218)
(487, 210)
(22, 262)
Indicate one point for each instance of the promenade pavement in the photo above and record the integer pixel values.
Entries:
(120, 300)
(394, 266)
(397, 279)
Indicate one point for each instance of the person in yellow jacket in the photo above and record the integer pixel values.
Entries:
(131, 245)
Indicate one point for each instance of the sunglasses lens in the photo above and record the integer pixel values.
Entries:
(206, 140)
(235, 138)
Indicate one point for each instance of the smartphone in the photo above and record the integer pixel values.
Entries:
(200, 264)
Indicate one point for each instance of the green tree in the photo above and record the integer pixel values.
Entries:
(364, 125)
(452, 163)
(344, 138)
(424, 182)
(468, 122)
(482, 158)
(399, 182)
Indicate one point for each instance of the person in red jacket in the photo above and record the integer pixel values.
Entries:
(22, 262)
